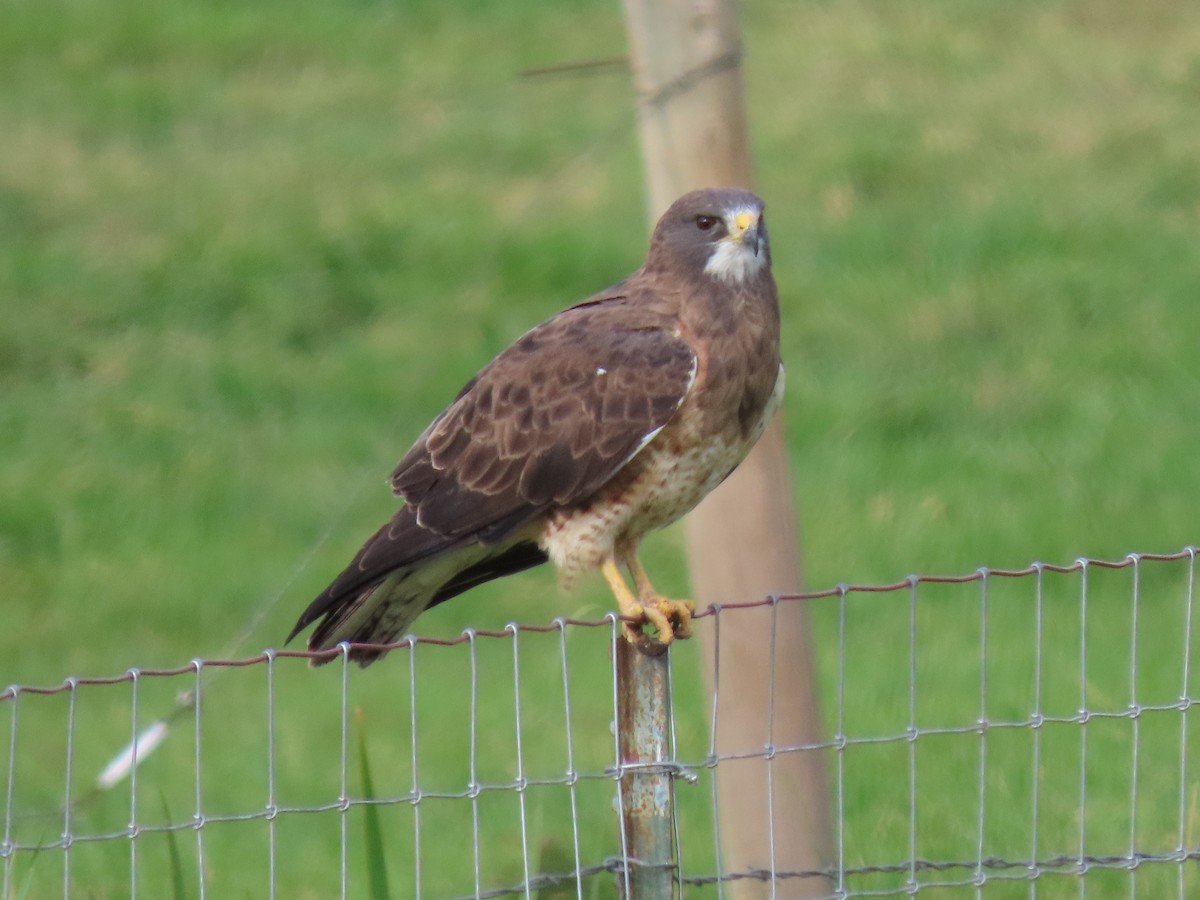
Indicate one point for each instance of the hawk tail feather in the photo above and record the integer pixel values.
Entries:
(400, 572)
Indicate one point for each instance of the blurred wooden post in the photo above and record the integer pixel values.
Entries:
(742, 544)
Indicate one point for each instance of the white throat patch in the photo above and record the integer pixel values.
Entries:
(734, 261)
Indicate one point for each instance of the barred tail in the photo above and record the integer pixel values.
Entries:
(399, 573)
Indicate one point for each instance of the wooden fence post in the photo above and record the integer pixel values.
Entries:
(742, 544)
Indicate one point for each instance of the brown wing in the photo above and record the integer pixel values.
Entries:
(547, 422)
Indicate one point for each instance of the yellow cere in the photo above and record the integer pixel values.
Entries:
(743, 220)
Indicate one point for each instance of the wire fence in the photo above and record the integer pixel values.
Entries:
(1007, 732)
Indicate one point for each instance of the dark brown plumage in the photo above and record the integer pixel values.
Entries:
(612, 418)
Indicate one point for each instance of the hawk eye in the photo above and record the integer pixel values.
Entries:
(706, 223)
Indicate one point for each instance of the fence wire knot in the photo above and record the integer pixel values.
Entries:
(918, 676)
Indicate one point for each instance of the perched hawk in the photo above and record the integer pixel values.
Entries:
(610, 419)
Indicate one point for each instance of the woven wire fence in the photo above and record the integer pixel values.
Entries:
(1002, 733)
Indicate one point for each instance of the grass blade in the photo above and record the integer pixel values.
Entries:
(555, 861)
(376, 863)
(176, 859)
(27, 883)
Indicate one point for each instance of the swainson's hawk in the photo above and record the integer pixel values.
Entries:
(610, 419)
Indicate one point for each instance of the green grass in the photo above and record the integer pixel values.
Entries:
(248, 250)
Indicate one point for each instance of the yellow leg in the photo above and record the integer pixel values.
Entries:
(627, 603)
(672, 618)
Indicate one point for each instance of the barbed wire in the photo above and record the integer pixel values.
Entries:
(982, 872)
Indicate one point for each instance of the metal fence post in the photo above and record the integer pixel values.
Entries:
(742, 539)
(647, 793)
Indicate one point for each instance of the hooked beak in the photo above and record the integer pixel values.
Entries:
(745, 230)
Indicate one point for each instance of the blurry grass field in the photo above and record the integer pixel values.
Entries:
(247, 250)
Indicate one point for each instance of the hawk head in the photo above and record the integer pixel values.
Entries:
(717, 231)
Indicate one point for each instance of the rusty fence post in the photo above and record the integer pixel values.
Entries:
(646, 794)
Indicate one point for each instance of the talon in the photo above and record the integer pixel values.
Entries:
(633, 631)
(661, 621)
(670, 618)
(681, 614)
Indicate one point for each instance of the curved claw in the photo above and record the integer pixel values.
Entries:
(670, 618)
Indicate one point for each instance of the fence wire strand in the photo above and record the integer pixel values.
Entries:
(538, 771)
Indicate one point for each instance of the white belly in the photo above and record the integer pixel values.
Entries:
(668, 484)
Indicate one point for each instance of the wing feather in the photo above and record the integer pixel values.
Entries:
(548, 422)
